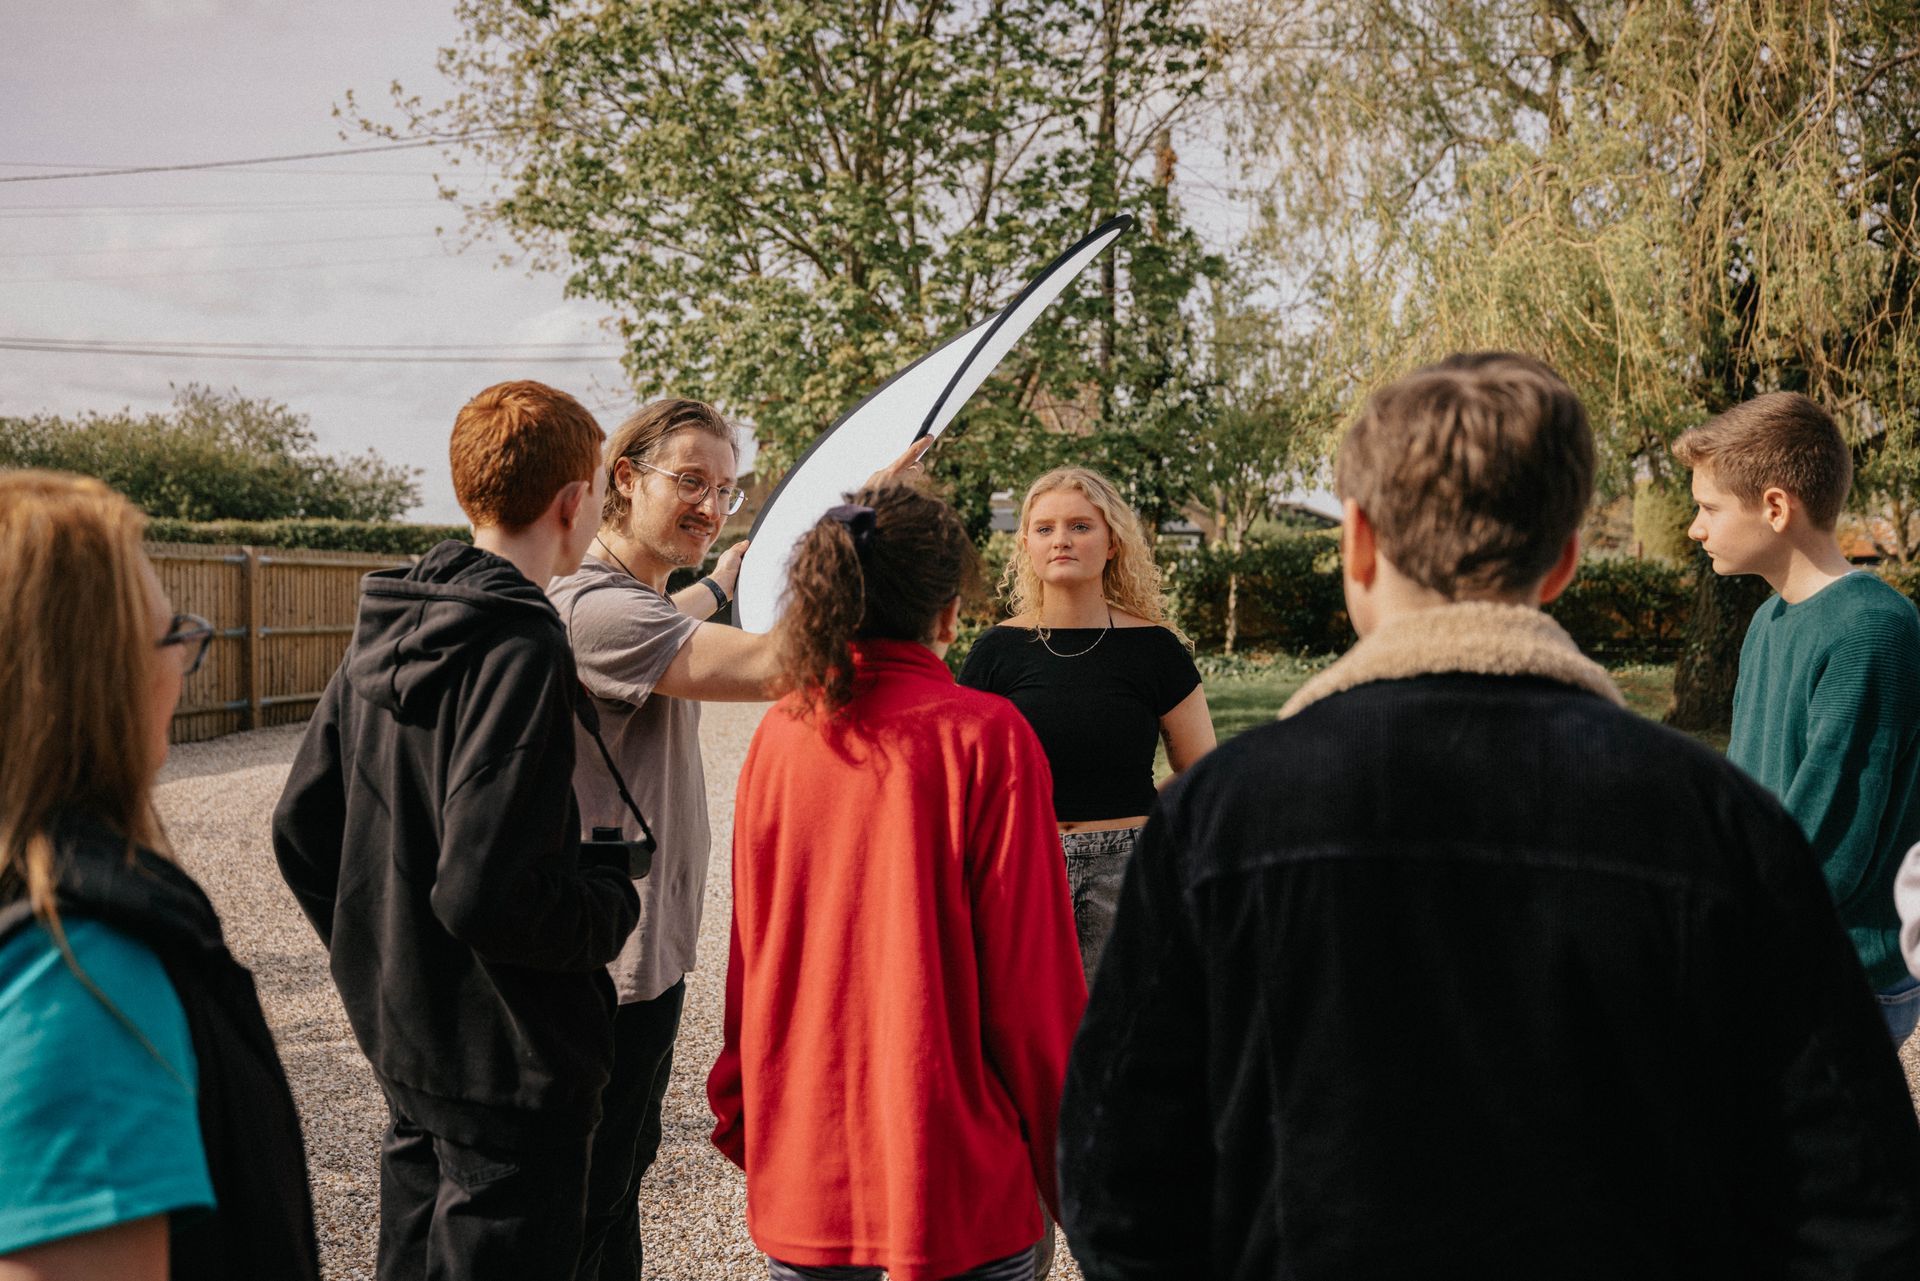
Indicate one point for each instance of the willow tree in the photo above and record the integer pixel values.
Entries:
(1678, 204)
(783, 202)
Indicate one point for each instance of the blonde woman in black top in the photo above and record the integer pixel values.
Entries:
(1092, 662)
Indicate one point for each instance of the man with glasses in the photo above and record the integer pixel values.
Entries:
(649, 660)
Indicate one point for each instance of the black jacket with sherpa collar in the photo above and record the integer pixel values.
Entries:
(428, 830)
(262, 1221)
(1463, 970)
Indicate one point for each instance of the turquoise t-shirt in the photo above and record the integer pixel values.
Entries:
(96, 1128)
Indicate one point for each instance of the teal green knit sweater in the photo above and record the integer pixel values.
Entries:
(1827, 716)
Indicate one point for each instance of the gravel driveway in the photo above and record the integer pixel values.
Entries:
(217, 800)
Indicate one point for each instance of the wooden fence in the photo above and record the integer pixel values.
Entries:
(282, 619)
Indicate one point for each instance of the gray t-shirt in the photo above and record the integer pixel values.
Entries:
(624, 635)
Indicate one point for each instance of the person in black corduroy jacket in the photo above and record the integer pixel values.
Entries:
(1462, 969)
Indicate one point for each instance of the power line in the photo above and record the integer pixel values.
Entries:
(215, 246)
(115, 277)
(413, 145)
(184, 354)
(210, 206)
(250, 171)
(507, 349)
(92, 206)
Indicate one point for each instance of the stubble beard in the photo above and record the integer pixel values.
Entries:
(665, 547)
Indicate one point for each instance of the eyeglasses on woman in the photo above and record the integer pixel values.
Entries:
(193, 634)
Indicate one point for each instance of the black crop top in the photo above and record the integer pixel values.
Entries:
(1097, 714)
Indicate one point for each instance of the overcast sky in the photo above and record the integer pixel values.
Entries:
(309, 255)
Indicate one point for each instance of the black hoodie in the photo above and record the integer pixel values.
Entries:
(428, 830)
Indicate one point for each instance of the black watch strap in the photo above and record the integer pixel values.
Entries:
(719, 593)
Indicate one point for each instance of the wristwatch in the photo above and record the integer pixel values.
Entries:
(719, 592)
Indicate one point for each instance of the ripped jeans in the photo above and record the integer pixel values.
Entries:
(1096, 864)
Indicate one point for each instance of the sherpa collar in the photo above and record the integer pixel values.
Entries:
(1476, 637)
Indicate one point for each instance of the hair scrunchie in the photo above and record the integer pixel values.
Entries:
(859, 523)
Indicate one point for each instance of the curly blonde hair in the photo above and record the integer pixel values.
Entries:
(1131, 580)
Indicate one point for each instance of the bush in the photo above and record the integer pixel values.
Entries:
(970, 631)
(1290, 595)
(1264, 666)
(989, 606)
(387, 538)
(1903, 578)
(214, 456)
(1626, 610)
(1618, 610)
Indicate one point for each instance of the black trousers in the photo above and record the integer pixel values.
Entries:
(465, 1213)
(629, 1135)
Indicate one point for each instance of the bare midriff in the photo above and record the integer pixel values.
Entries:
(1104, 824)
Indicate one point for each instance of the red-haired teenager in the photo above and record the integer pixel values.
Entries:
(429, 832)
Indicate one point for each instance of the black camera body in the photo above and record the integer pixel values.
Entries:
(606, 847)
(609, 849)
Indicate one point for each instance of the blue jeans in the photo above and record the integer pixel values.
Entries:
(1015, 1267)
(1900, 1007)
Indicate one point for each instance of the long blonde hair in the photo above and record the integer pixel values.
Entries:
(1131, 579)
(76, 664)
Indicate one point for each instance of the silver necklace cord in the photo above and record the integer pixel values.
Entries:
(1041, 632)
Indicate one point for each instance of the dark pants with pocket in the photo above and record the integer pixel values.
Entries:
(465, 1212)
(629, 1135)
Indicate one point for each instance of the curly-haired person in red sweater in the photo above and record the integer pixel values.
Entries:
(904, 981)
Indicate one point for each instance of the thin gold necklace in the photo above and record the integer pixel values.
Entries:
(1041, 632)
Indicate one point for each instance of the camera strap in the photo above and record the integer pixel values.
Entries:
(589, 718)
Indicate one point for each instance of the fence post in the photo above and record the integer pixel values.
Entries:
(256, 674)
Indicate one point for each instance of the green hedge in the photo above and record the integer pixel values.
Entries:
(1290, 595)
(1619, 610)
(388, 538)
(957, 652)
(1624, 610)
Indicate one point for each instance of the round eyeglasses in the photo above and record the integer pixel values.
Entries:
(194, 634)
(693, 490)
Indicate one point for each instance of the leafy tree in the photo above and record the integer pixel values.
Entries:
(214, 456)
(784, 202)
(1680, 204)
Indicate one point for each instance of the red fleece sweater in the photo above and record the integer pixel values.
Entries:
(904, 983)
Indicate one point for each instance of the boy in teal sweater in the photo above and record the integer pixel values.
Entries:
(1826, 713)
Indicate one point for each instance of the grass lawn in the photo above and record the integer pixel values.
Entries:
(1249, 691)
